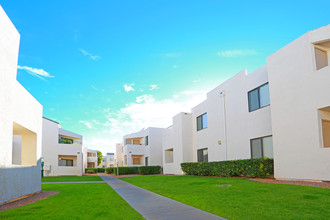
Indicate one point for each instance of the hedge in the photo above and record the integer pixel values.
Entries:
(109, 170)
(261, 167)
(96, 170)
(143, 170)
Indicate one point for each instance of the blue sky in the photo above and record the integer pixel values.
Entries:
(107, 68)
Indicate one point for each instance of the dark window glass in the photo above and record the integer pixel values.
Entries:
(147, 141)
(254, 100)
(202, 121)
(262, 147)
(202, 155)
(259, 97)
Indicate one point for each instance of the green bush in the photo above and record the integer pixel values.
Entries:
(143, 170)
(100, 170)
(109, 170)
(147, 170)
(261, 167)
(90, 171)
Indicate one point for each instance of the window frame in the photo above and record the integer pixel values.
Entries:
(66, 163)
(201, 117)
(258, 89)
(146, 140)
(262, 146)
(202, 149)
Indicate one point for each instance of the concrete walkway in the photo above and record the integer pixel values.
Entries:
(154, 206)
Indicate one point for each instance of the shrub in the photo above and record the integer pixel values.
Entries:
(143, 170)
(90, 171)
(94, 169)
(261, 167)
(147, 170)
(109, 170)
(100, 170)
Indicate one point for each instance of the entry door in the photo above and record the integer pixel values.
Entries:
(146, 161)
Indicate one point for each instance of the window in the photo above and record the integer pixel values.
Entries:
(169, 156)
(202, 122)
(202, 155)
(146, 161)
(321, 58)
(146, 140)
(262, 147)
(259, 97)
(65, 162)
(326, 133)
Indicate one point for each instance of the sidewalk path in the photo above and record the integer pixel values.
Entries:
(154, 206)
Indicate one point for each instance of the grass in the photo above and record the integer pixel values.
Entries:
(70, 178)
(76, 201)
(245, 199)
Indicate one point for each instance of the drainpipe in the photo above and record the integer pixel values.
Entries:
(222, 95)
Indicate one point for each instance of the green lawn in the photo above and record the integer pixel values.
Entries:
(244, 199)
(70, 178)
(76, 201)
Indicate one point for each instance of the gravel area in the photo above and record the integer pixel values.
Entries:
(302, 183)
(28, 200)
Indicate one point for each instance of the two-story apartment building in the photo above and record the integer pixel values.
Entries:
(280, 111)
(108, 160)
(143, 148)
(91, 158)
(62, 150)
(20, 123)
(230, 124)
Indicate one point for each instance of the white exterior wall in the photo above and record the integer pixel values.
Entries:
(179, 138)
(109, 161)
(119, 160)
(20, 114)
(153, 150)
(297, 91)
(92, 159)
(229, 119)
(52, 149)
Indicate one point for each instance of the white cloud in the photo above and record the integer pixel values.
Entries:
(87, 124)
(152, 87)
(129, 87)
(236, 53)
(196, 80)
(40, 73)
(149, 112)
(91, 56)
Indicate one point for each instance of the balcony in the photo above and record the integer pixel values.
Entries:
(134, 149)
(91, 159)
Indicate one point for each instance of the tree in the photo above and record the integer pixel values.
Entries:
(99, 157)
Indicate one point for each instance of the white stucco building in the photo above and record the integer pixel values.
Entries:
(108, 160)
(91, 158)
(143, 148)
(62, 150)
(280, 111)
(20, 123)
(299, 78)
(119, 155)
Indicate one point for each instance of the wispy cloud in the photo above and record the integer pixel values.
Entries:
(236, 53)
(40, 73)
(129, 87)
(175, 66)
(87, 124)
(154, 86)
(91, 56)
